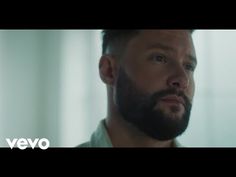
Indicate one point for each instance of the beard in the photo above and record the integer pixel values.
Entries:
(139, 109)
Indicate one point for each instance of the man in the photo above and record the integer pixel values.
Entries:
(150, 87)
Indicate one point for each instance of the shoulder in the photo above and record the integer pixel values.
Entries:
(176, 144)
(84, 145)
(99, 138)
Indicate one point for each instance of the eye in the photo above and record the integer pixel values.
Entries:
(159, 58)
(190, 67)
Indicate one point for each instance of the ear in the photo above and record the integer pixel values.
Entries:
(107, 69)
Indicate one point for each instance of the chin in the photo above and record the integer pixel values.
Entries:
(174, 113)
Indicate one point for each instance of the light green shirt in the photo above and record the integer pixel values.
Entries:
(100, 138)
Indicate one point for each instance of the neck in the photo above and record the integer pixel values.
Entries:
(123, 134)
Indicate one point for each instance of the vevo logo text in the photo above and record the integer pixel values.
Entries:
(23, 143)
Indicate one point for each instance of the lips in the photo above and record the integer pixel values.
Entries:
(173, 99)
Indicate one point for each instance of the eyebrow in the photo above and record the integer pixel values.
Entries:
(165, 47)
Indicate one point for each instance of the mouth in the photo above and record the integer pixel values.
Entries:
(173, 99)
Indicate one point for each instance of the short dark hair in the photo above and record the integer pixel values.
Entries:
(115, 39)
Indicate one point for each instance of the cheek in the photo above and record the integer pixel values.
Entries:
(147, 77)
(149, 82)
(191, 89)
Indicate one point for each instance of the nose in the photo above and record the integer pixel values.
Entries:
(178, 79)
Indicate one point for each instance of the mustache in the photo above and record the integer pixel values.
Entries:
(158, 95)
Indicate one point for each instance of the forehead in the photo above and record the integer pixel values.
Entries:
(175, 40)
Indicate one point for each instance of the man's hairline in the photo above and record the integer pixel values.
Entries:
(120, 53)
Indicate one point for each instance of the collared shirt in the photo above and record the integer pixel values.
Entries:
(100, 138)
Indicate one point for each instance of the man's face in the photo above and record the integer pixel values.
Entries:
(155, 86)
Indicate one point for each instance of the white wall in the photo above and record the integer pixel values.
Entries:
(29, 84)
(49, 85)
(213, 117)
(83, 96)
